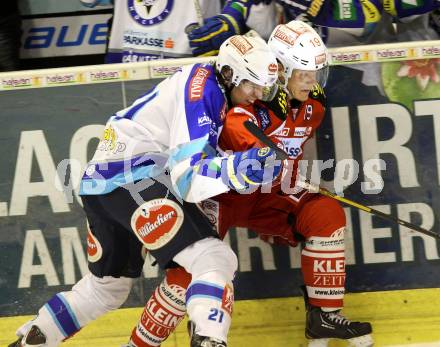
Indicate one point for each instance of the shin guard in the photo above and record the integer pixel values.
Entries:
(163, 311)
(323, 267)
(210, 303)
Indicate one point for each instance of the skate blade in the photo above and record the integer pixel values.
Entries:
(319, 343)
(361, 341)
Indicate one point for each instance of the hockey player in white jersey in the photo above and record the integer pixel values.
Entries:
(156, 159)
(152, 29)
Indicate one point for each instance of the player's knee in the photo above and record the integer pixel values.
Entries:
(114, 290)
(329, 223)
(220, 258)
(111, 292)
(335, 210)
(213, 255)
(227, 259)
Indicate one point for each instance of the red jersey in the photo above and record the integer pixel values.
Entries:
(290, 126)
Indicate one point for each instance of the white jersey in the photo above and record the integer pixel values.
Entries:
(171, 128)
(155, 29)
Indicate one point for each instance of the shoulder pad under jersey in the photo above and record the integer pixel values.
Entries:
(279, 104)
(317, 93)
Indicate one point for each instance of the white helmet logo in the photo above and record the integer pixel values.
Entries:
(241, 44)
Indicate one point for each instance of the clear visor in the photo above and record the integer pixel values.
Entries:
(266, 93)
(308, 77)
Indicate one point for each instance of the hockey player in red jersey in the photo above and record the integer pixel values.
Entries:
(288, 214)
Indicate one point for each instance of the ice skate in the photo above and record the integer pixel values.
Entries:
(203, 341)
(129, 344)
(33, 338)
(322, 326)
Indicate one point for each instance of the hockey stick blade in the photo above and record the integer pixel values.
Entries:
(262, 137)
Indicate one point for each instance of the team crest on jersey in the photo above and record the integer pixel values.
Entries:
(156, 222)
(94, 248)
(149, 12)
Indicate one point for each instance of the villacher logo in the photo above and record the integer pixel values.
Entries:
(156, 222)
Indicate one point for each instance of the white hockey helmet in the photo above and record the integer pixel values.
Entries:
(250, 58)
(299, 47)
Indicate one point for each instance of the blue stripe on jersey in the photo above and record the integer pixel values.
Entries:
(203, 168)
(62, 315)
(195, 151)
(183, 183)
(131, 113)
(108, 170)
(96, 186)
(187, 150)
(204, 289)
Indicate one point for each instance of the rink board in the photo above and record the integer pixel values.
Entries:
(371, 110)
(407, 318)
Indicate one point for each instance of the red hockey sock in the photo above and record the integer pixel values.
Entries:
(163, 311)
(323, 267)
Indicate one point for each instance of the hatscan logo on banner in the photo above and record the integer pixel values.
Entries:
(156, 222)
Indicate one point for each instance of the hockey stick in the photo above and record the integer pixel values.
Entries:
(192, 26)
(198, 12)
(258, 133)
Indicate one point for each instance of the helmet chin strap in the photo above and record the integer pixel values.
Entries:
(228, 96)
(284, 73)
(226, 85)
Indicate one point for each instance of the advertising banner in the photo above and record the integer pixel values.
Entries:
(62, 28)
(378, 146)
(64, 36)
(44, 7)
